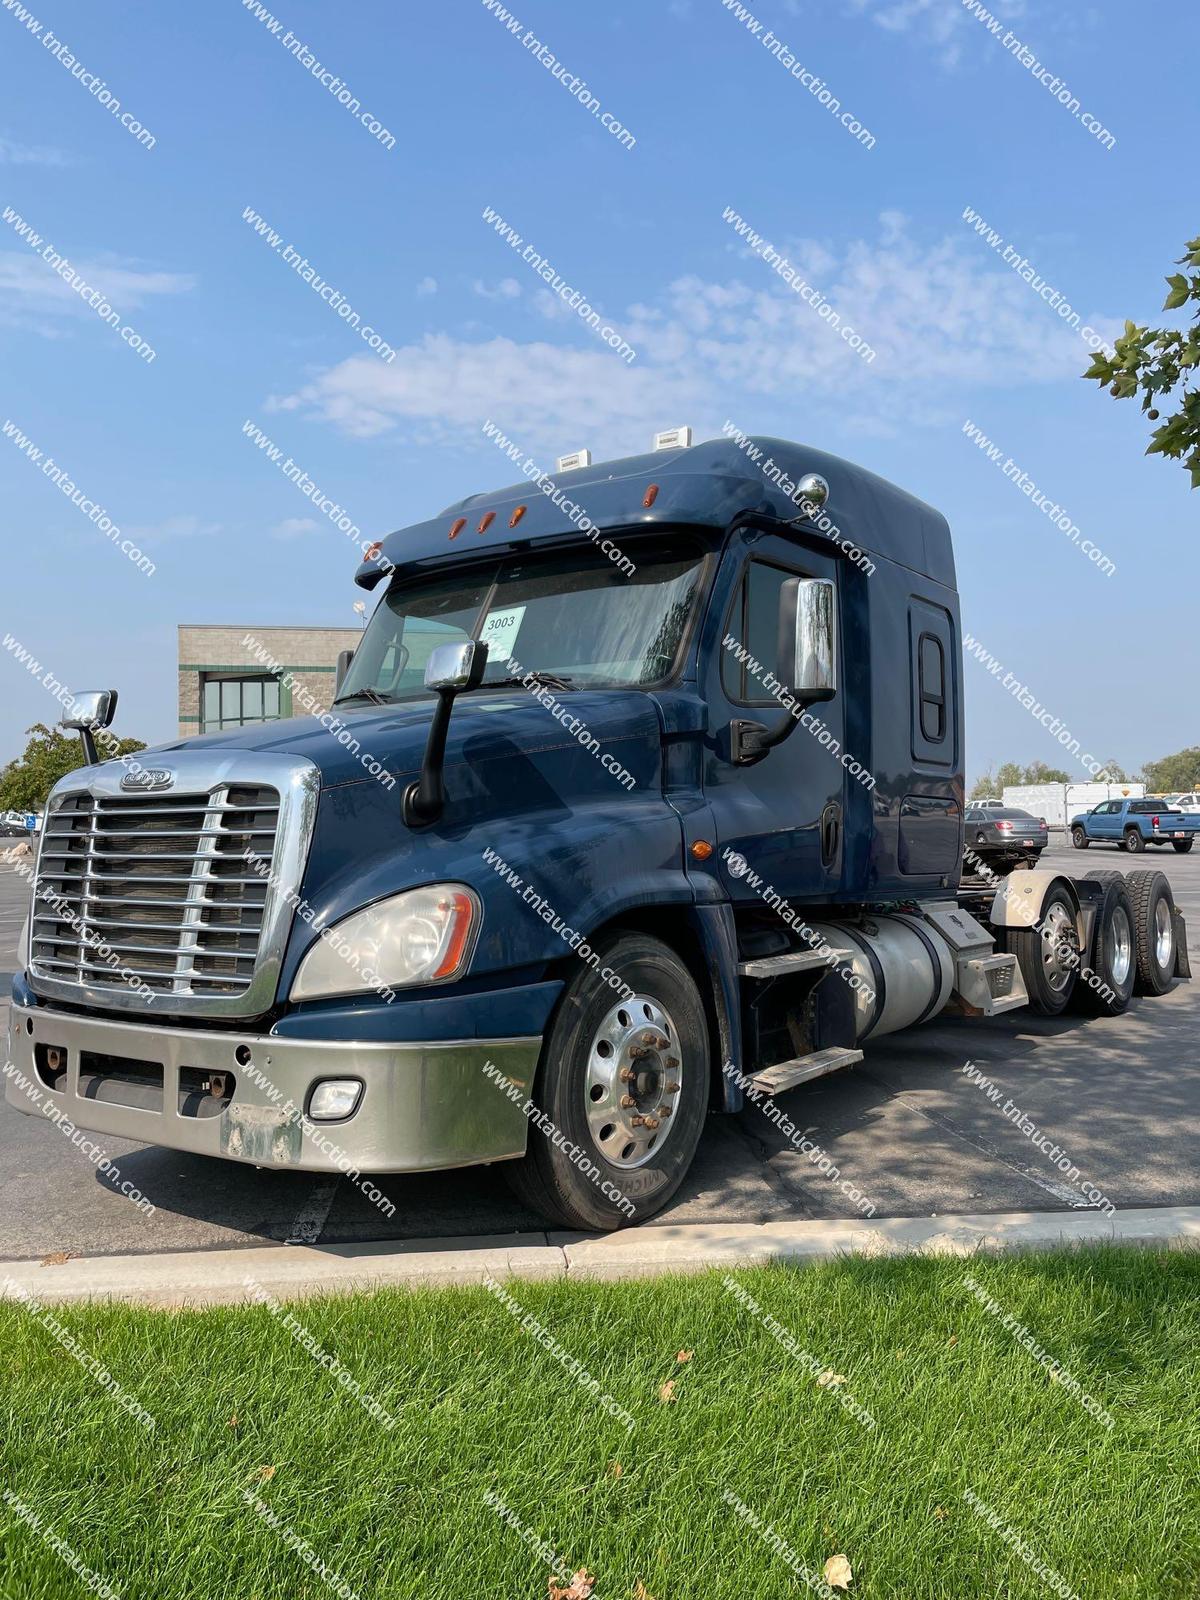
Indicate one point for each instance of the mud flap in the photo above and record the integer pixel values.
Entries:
(1183, 967)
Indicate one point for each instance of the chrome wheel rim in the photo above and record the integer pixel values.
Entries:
(634, 1074)
(1120, 946)
(1164, 935)
(1060, 947)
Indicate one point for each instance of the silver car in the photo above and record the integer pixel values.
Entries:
(1001, 837)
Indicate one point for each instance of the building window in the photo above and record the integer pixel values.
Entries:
(232, 702)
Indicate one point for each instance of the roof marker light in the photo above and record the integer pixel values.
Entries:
(457, 526)
(576, 459)
(486, 521)
(673, 439)
(372, 549)
(651, 495)
(518, 513)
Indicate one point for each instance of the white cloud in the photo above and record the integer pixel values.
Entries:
(943, 23)
(292, 527)
(31, 155)
(939, 315)
(31, 289)
(506, 289)
(427, 286)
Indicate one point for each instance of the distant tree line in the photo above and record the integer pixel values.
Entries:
(49, 756)
(1178, 772)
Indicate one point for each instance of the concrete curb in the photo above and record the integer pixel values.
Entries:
(219, 1277)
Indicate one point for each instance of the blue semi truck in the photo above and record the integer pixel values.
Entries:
(646, 793)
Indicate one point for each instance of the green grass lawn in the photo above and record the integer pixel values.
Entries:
(482, 1408)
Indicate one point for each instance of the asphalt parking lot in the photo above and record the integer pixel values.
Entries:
(906, 1128)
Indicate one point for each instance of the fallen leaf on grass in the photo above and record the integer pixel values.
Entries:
(953, 1339)
(683, 1356)
(666, 1394)
(838, 1574)
(59, 1258)
(615, 1469)
(830, 1379)
(266, 1473)
(234, 1421)
(940, 1513)
(640, 1591)
(579, 1588)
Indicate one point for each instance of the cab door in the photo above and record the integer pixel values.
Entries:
(783, 814)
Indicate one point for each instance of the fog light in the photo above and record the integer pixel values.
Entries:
(334, 1099)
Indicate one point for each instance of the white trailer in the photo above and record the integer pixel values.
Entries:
(1059, 802)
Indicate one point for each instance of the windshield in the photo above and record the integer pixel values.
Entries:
(573, 616)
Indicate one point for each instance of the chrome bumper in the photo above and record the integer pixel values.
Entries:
(423, 1106)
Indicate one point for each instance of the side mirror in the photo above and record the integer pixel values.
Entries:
(94, 708)
(457, 667)
(808, 638)
(451, 670)
(344, 658)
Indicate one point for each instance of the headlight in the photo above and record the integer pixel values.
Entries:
(421, 936)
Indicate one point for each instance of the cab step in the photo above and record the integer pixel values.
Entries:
(791, 961)
(787, 1074)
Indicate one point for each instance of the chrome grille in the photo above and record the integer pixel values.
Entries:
(155, 889)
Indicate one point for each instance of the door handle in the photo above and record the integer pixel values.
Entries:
(831, 831)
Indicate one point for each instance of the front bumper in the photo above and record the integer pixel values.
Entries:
(424, 1105)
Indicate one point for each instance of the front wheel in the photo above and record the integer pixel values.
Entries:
(622, 1089)
(1134, 842)
(1079, 839)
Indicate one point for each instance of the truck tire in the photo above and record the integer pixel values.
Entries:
(1114, 955)
(1079, 839)
(579, 1089)
(1042, 953)
(1134, 842)
(1182, 846)
(1154, 930)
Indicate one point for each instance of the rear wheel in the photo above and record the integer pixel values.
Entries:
(1182, 845)
(1154, 930)
(1079, 839)
(1047, 954)
(624, 1084)
(1105, 989)
(1134, 842)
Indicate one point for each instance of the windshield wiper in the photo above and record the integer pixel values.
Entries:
(546, 680)
(373, 695)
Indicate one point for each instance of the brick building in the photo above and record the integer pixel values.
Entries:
(230, 676)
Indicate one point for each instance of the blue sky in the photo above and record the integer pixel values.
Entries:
(477, 121)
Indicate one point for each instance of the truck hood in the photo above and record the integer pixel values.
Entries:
(484, 727)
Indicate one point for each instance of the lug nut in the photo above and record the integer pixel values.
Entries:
(649, 1038)
(627, 1100)
(672, 1088)
(626, 1075)
(664, 1111)
(639, 1052)
(671, 1063)
(636, 1122)
(650, 1122)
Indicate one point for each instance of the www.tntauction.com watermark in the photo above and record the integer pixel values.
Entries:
(1041, 1569)
(574, 298)
(571, 937)
(92, 511)
(312, 491)
(1025, 697)
(92, 298)
(304, 269)
(546, 484)
(332, 724)
(776, 1542)
(578, 1157)
(1051, 508)
(345, 1379)
(327, 79)
(300, 1547)
(12, 1290)
(802, 74)
(83, 1141)
(566, 1360)
(1050, 82)
(573, 84)
(90, 1579)
(811, 295)
(798, 1139)
(826, 1379)
(1029, 274)
(96, 87)
(819, 518)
